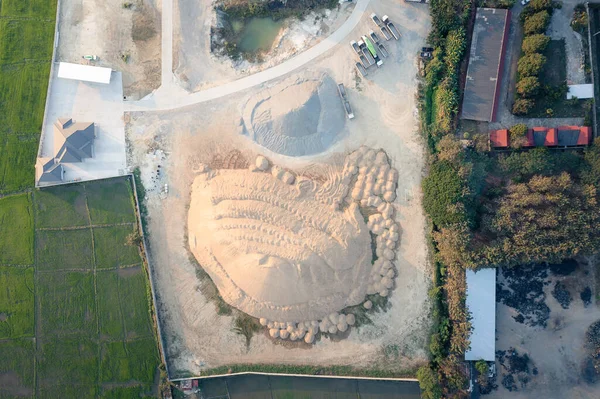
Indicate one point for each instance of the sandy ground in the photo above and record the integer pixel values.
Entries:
(107, 29)
(557, 351)
(168, 146)
(196, 68)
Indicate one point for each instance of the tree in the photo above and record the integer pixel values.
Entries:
(482, 366)
(528, 86)
(535, 43)
(450, 149)
(539, 5)
(522, 106)
(531, 64)
(536, 23)
(443, 189)
(456, 43)
(518, 135)
(429, 384)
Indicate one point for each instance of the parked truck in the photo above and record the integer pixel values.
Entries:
(374, 36)
(361, 69)
(372, 50)
(383, 50)
(366, 52)
(376, 19)
(386, 32)
(345, 103)
(364, 61)
(355, 47)
(391, 27)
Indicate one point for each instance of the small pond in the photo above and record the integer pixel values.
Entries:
(256, 34)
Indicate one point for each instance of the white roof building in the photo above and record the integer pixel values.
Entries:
(481, 303)
(84, 73)
(580, 91)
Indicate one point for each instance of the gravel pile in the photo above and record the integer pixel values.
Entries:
(296, 117)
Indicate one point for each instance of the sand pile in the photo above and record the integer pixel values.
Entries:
(296, 117)
(294, 252)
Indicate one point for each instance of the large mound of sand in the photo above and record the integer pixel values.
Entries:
(294, 252)
(296, 117)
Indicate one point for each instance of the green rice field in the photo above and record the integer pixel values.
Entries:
(75, 304)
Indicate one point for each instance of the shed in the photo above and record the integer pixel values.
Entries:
(85, 73)
(581, 91)
(573, 136)
(481, 303)
(499, 138)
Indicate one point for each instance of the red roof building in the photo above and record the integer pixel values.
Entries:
(499, 138)
(560, 137)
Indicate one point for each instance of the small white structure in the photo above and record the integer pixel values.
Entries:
(580, 91)
(481, 303)
(84, 73)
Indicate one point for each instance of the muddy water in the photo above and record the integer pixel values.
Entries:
(257, 34)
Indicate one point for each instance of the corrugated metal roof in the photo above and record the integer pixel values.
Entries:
(481, 302)
(580, 91)
(84, 73)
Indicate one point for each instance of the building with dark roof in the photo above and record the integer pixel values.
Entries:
(499, 138)
(482, 86)
(573, 136)
(48, 171)
(541, 137)
(73, 141)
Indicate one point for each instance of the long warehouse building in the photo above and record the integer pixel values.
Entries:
(486, 59)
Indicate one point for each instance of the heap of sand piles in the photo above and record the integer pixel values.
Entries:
(293, 252)
(296, 117)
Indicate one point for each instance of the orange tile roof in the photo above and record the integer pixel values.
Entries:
(499, 138)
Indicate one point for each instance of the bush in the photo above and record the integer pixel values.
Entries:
(482, 367)
(528, 86)
(536, 23)
(535, 43)
(531, 64)
(428, 382)
(522, 106)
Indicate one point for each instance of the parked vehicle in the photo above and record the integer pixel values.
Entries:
(372, 50)
(525, 2)
(374, 36)
(376, 19)
(383, 50)
(361, 69)
(355, 47)
(386, 32)
(391, 27)
(427, 49)
(345, 102)
(366, 52)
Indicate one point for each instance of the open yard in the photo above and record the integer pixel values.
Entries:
(75, 316)
(26, 37)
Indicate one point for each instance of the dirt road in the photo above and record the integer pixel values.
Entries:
(171, 96)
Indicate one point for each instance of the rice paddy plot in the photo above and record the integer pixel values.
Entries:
(16, 302)
(64, 249)
(42, 9)
(62, 206)
(67, 304)
(111, 201)
(129, 361)
(17, 367)
(115, 246)
(123, 304)
(67, 361)
(16, 230)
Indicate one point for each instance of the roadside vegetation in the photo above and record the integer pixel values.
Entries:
(491, 209)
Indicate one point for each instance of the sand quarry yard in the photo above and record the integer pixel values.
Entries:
(170, 146)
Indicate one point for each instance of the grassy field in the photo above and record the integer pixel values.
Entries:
(77, 314)
(26, 37)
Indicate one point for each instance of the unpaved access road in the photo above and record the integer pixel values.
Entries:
(170, 96)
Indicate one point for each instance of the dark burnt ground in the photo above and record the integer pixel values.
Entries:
(522, 288)
(517, 369)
